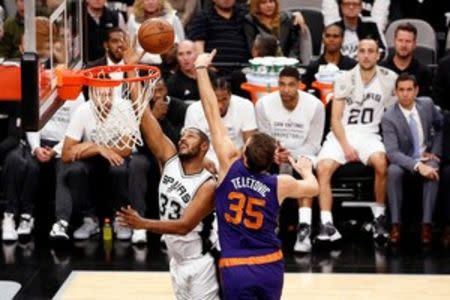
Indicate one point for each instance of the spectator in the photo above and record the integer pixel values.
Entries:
(296, 120)
(183, 84)
(263, 45)
(24, 163)
(99, 19)
(144, 169)
(7, 145)
(115, 46)
(413, 140)
(378, 10)
(148, 9)
(265, 17)
(445, 178)
(402, 60)
(84, 161)
(441, 84)
(357, 28)
(356, 112)
(332, 38)
(238, 115)
(122, 6)
(185, 10)
(221, 27)
(13, 29)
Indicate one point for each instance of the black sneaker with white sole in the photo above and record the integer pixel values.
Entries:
(328, 233)
(379, 228)
(303, 242)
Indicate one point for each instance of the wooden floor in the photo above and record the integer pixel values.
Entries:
(156, 285)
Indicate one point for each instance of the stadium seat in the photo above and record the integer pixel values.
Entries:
(426, 50)
(287, 4)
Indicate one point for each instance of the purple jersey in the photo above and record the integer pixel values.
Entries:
(247, 213)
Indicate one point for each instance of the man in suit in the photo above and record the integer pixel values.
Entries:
(413, 140)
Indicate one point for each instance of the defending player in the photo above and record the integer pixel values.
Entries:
(247, 203)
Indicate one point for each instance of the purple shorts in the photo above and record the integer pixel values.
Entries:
(263, 281)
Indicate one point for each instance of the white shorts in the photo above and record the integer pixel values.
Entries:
(194, 279)
(365, 144)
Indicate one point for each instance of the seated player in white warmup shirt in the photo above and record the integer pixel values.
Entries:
(360, 98)
(296, 120)
(238, 115)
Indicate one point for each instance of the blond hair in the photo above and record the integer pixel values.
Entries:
(274, 24)
(140, 13)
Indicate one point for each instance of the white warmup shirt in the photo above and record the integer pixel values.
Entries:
(300, 131)
(239, 118)
(55, 128)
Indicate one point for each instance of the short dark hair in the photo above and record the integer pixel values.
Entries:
(203, 136)
(341, 30)
(266, 44)
(110, 31)
(220, 83)
(406, 77)
(406, 27)
(371, 38)
(259, 152)
(290, 72)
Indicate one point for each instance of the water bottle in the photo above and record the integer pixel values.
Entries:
(107, 230)
(107, 239)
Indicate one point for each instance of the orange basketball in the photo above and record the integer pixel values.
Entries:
(156, 35)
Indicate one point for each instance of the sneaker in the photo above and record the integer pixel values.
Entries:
(9, 232)
(139, 236)
(379, 228)
(88, 229)
(303, 242)
(328, 233)
(122, 233)
(26, 224)
(59, 231)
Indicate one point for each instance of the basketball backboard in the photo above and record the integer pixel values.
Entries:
(52, 37)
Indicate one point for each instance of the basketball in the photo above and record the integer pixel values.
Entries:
(156, 36)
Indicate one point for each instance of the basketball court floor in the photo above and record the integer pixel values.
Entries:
(357, 269)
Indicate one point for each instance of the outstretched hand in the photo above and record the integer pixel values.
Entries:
(130, 218)
(204, 59)
(302, 165)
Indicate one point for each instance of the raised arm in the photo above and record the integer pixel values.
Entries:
(225, 149)
(195, 212)
(289, 187)
(160, 145)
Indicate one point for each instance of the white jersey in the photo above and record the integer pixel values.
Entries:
(176, 190)
(364, 104)
(239, 118)
(83, 124)
(300, 131)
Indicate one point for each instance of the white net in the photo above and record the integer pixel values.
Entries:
(118, 110)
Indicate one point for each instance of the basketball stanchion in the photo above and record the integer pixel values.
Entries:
(118, 104)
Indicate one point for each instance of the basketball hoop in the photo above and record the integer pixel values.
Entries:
(118, 100)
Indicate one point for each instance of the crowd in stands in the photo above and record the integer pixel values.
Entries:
(389, 110)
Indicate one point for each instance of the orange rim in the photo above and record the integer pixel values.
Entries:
(91, 79)
(69, 82)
